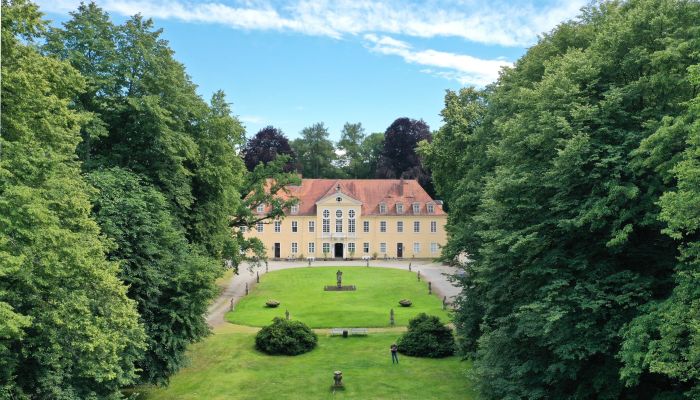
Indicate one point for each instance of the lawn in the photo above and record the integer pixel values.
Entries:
(226, 366)
(300, 290)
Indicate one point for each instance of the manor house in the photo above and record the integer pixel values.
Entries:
(356, 218)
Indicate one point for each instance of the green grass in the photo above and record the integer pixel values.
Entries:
(226, 366)
(300, 290)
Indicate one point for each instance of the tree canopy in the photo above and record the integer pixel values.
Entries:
(265, 146)
(316, 153)
(67, 328)
(566, 181)
(399, 158)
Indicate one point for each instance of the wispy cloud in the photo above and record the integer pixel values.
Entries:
(460, 67)
(374, 22)
(252, 119)
(481, 21)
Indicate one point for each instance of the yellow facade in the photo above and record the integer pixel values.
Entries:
(375, 235)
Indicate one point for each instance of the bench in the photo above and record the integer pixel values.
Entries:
(350, 331)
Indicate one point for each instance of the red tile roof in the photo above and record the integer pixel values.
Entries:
(371, 192)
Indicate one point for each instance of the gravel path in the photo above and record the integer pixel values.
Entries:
(431, 272)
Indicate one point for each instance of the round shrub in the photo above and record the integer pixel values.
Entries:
(272, 303)
(405, 302)
(285, 337)
(427, 337)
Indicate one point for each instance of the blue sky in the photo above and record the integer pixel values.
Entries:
(294, 63)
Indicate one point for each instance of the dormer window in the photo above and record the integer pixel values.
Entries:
(399, 208)
(261, 208)
(416, 208)
(382, 208)
(431, 208)
(295, 209)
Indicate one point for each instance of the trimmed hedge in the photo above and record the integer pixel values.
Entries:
(285, 337)
(427, 337)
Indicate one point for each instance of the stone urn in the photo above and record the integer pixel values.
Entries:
(338, 379)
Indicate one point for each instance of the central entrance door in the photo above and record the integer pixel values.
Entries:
(277, 250)
(338, 250)
(399, 250)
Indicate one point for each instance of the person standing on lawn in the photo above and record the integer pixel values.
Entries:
(394, 353)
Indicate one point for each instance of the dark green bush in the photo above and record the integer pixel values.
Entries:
(427, 337)
(285, 337)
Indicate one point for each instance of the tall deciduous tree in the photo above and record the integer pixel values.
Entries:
(399, 158)
(265, 146)
(573, 150)
(68, 329)
(350, 145)
(170, 281)
(316, 152)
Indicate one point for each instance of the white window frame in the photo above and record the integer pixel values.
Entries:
(260, 227)
(365, 247)
(326, 227)
(399, 208)
(365, 226)
(295, 226)
(382, 208)
(431, 208)
(295, 209)
(416, 247)
(399, 226)
(339, 225)
(244, 229)
(278, 226)
(326, 248)
(416, 226)
(261, 208)
(326, 213)
(416, 208)
(312, 247)
(295, 247)
(351, 213)
(339, 213)
(433, 226)
(382, 248)
(351, 248)
(382, 226)
(351, 226)
(312, 226)
(433, 247)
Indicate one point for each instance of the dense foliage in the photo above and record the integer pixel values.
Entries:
(316, 153)
(120, 188)
(265, 146)
(399, 158)
(67, 328)
(427, 337)
(573, 185)
(170, 281)
(285, 337)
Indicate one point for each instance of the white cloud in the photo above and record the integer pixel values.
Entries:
(487, 22)
(464, 68)
(252, 119)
